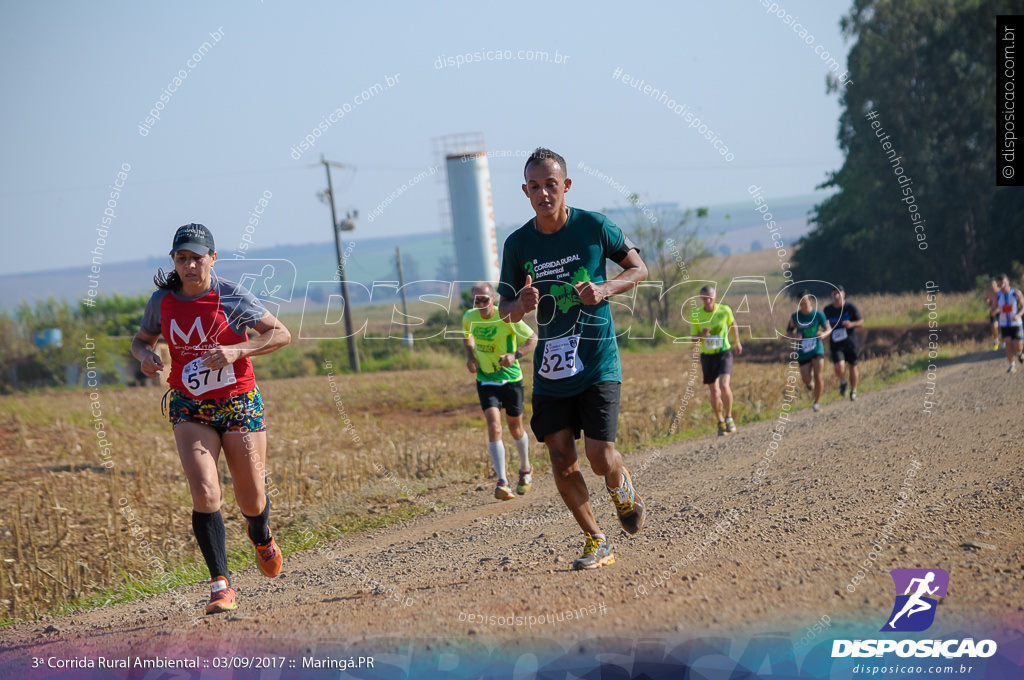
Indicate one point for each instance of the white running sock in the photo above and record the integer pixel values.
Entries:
(497, 451)
(523, 446)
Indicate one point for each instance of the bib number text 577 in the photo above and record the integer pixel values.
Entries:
(199, 379)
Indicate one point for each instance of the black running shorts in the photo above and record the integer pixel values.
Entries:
(509, 396)
(843, 351)
(716, 365)
(595, 412)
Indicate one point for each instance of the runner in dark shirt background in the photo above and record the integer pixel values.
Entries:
(844, 318)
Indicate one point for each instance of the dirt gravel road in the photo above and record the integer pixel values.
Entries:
(786, 552)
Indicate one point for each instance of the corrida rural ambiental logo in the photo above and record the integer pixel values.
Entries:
(917, 596)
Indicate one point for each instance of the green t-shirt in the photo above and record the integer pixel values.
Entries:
(576, 347)
(806, 328)
(494, 337)
(719, 322)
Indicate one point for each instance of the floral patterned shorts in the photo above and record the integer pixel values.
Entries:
(240, 413)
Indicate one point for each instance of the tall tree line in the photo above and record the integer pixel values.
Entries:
(927, 68)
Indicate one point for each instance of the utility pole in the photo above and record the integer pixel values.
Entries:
(401, 287)
(353, 355)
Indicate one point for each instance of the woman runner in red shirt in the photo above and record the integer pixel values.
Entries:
(214, 401)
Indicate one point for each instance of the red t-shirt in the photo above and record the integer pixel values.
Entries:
(217, 318)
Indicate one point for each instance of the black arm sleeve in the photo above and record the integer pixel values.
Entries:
(620, 254)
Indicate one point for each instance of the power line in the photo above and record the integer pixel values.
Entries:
(408, 168)
(166, 180)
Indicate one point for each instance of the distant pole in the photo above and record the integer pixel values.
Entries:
(401, 287)
(353, 357)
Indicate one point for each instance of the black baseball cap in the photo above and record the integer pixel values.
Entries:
(194, 237)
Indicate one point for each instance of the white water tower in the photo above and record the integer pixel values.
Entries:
(472, 209)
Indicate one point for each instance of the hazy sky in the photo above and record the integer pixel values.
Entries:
(79, 78)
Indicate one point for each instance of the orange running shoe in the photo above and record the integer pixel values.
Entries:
(222, 597)
(268, 557)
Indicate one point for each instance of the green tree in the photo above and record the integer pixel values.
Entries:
(15, 348)
(926, 68)
(118, 315)
(96, 336)
(47, 364)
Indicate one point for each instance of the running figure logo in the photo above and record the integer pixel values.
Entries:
(921, 590)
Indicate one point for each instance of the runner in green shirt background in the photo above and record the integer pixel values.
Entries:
(712, 324)
(493, 350)
(809, 326)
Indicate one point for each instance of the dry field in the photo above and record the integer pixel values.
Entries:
(64, 539)
(758, 278)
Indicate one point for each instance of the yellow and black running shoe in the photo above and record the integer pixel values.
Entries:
(597, 552)
(628, 505)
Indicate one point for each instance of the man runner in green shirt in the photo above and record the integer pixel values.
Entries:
(493, 351)
(555, 264)
(712, 324)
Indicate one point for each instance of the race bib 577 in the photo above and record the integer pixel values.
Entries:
(199, 379)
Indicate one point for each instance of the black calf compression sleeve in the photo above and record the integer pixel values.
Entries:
(259, 529)
(209, 530)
